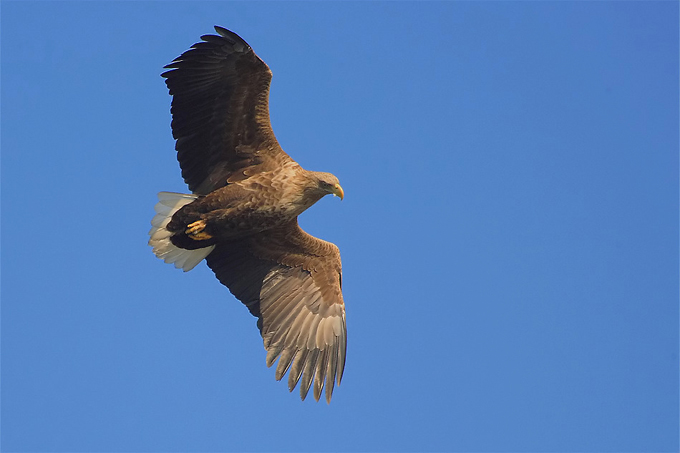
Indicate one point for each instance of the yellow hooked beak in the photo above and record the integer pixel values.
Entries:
(338, 192)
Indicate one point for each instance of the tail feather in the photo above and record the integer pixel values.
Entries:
(163, 248)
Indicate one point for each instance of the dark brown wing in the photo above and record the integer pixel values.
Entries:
(291, 281)
(220, 112)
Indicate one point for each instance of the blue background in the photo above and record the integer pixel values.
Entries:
(509, 232)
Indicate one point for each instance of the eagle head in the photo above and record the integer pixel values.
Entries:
(327, 184)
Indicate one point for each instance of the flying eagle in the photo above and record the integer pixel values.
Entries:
(242, 214)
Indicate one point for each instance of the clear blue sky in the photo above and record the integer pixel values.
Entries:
(509, 233)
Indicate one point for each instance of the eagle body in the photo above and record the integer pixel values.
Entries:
(262, 202)
(241, 216)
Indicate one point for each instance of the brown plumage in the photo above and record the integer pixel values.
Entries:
(242, 213)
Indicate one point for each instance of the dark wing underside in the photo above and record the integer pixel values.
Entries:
(291, 282)
(220, 113)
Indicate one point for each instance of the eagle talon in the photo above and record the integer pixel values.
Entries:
(196, 231)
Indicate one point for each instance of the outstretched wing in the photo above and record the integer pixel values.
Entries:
(220, 112)
(291, 281)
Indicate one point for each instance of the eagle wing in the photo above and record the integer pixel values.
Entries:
(220, 113)
(292, 282)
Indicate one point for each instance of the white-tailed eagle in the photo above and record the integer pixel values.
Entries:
(242, 214)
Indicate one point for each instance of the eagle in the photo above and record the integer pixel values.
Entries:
(241, 215)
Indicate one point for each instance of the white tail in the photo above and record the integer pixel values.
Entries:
(169, 203)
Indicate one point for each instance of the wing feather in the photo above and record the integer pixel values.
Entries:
(220, 112)
(285, 360)
(308, 373)
(291, 282)
(296, 368)
(284, 329)
(320, 375)
(331, 370)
